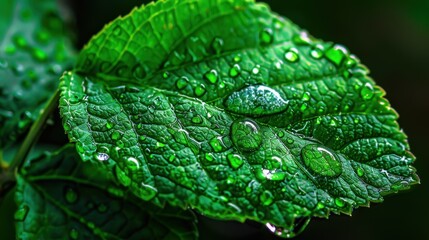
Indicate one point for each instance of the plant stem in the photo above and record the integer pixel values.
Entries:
(35, 132)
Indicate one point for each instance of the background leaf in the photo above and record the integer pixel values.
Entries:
(308, 99)
(60, 197)
(34, 50)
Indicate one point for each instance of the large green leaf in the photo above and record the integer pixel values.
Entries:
(232, 110)
(60, 197)
(34, 51)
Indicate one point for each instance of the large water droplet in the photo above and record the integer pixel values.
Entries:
(70, 195)
(291, 55)
(298, 227)
(235, 70)
(266, 198)
(255, 101)
(336, 54)
(360, 172)
(235, 160)
(211, 76)
(266, 36)
(367, 91)
(21, 213)
(245, 134)
(321, 160)
(182, 82)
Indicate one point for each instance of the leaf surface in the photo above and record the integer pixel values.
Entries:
(230, 109)
(34, 51)
(60, 197)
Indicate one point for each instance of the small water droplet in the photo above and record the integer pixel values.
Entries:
(237, 58)
(200, 90)
(230, 180)
(147, 192)
(80, 148)
(245, 134)
(336, 54)
(298, 227)
(122, 177)
(367, 91)
(291, 55)
(235, 70)
(340, 202)
(172, 157)
(360, 172)
(159, 145)
(302, 38)
(321, 160)
(217, 45)
(21, 213)
(211, 76)
(70, 195)
(102, 156)
(74, 234)
(255, 100)
(217, 144)
(235, 160)
(197, 119)
(320, 205)
(255, 70)
(266, 198)
(317, 52)
(165, 75)
(266, 36)
(182, 82)
(306, 96)
(209, 157)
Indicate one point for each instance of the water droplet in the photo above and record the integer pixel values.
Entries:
(80, 148)
(209, 157)
(321, 160)
(20, 41)
(200, 90)
(21, 213)
(211, 76)
(182, 82)
(306, 96)
(255, 70)
(302, 38)
(237, 58)
(266, 198)
(197, 119)
(266, 36)
(122, 177)
(147, 192)
(317, 52)
(360, 172)
(280, 134)
(102, 156)
(172, 157)
(245, 134)
(165, 75)
(235, 160)
(340, 202)
(217, 144)
(230, 180)
(217, 45)
(235, 70)
(74, 234)
(255, 101)
(336, 54)
(367, 91)
(159, 145)
(291, 55)
(70, 195)
(116, 135)
(298, 227)
(320, 206)
(39, 55)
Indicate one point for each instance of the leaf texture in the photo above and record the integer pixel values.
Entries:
(34, 51)
(228, 108)
(60, 197)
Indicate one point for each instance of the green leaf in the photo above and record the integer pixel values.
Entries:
(34, 51)
(59, 197)
(226, 107)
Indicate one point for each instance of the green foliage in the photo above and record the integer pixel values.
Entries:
(34, 51)
(219, 106)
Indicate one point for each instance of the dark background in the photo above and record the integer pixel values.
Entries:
(392, 39)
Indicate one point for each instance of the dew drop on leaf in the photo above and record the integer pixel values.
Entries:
(321, 161)
(197, 119)
(217, 144)
(255, 70)
(317, 52)
(102, 156)
(245, 134)
(266, 36)
(367, 91)
(147, 192)
(70, 195)
(235, 70)
(360, 172)
(21, 213)
(200, 90)
(122, 177)
(165, 75)
(298, 227)
(255, 100)
(291, 55)
(116, 135)
(211, 76)
(237, 58)
(339, 202)
(235, 160)
(209, 157)
(336, 54)
(217, 45)
(302, 38)
(182, 82)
